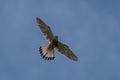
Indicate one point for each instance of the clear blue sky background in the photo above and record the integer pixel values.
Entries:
(91, 28)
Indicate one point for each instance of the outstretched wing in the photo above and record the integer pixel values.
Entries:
(64, 49)
(45, 30)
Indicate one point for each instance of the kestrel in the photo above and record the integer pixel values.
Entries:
(47, 51)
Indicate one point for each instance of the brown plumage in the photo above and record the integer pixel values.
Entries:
(47, 51)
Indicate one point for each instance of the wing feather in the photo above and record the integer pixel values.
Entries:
(45, 29)
(64, 49)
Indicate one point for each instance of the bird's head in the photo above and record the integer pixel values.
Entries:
(56, 38)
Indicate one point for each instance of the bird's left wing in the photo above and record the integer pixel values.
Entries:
(45, 29)
(64, 49)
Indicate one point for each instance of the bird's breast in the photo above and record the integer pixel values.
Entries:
(54, 43)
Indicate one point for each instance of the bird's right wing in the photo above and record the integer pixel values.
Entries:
(64, 49)
(45, 29)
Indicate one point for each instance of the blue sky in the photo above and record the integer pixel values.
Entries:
(90, 28)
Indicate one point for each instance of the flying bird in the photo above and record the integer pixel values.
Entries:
(47, 51)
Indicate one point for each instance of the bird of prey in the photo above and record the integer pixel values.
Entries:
(47, 51)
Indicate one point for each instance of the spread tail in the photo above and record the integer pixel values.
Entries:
(46, 53)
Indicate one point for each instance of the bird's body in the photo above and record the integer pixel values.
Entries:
(47, 51)
(54, 42)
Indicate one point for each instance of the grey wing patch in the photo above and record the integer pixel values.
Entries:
(64, 49)
(45, 29)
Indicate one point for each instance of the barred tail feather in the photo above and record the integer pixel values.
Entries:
(45, 53)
